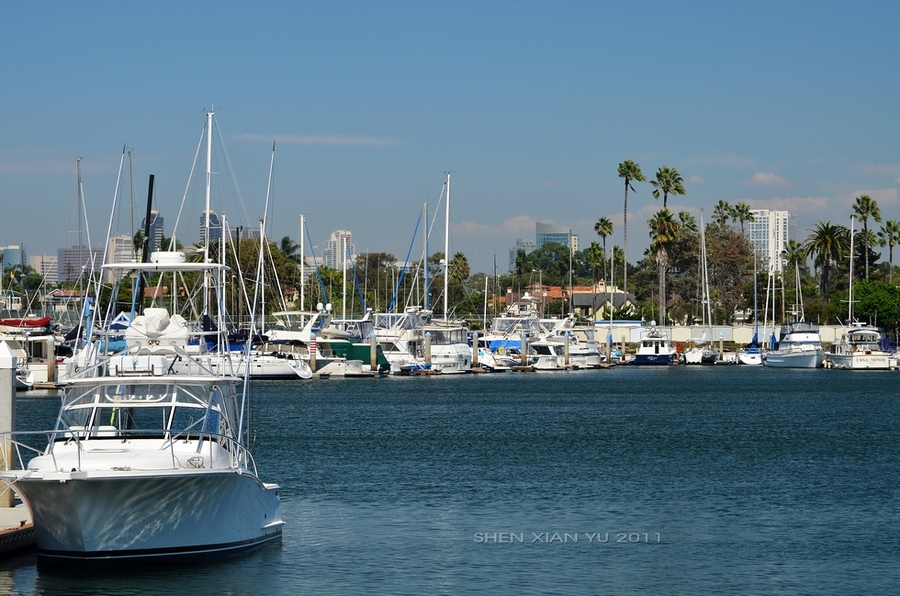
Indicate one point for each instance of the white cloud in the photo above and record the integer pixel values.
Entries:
(695, 180)
(872, 169)
(792, 204)
(339, 140)
(729, 159)
(766, 179)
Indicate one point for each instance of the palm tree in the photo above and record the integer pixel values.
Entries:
(668, 182)
(688, 222)
(741, 213)
(290, 248)
(604, 227)
(890, 237)
(629, 171)
(596, 257)
(663, 233)
(827, 244)
(864, 208)
(723, 212)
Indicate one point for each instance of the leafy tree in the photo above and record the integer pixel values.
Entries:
(827, 244)
(890, 236)
(722, 212)
(741, 214)
(864, 208)
(628, 170)
(668, 182)
(604, 227)
(663, 233)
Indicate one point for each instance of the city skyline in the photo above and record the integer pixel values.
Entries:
(531, 106)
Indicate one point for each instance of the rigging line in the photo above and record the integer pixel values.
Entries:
(403, 271)
(318, 271)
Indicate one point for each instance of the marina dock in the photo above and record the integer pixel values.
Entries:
(16, 529)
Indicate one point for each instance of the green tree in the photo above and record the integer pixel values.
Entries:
(663, 233)
(604, 228)
(827, 244)
(628, 170)
(864, 208)
(668, 182)
(741, 214)
(722, 212)
(290, 249)
(890, 236)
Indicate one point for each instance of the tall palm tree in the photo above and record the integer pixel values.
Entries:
(290, 248)
(890, 237)
(668, 182)
(827, 244)
(688, 222)
(629, 171)
(604, 227)
(723, 212)
(663, 233)
(595, 257)
(864, 208)
(741, 213)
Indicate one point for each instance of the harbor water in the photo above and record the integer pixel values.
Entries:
(660, 480)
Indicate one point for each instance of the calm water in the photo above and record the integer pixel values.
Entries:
(730, 480)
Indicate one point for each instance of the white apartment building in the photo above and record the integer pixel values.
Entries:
(769, 232)
(339, 250)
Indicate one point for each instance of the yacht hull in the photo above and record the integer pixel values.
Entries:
(152, 517)
(807, 359)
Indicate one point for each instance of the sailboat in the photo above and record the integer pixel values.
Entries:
(146, 463)
(752, 354)
(860, 346)
(701, 353)
(800, 343)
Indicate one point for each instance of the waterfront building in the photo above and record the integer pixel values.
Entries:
(45, 266)
(215, 227)
(769, 232)
(332, 257)
(75, 260)
(157, 231)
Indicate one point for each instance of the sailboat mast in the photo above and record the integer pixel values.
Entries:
(850, 297)
(447, 246)
(425, 257)
(209, 116)
(302, 264)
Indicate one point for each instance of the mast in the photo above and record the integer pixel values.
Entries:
(145, 249)
(302, 265)
(425, 257)
(850, 297)
(447, 246)
(344, 276)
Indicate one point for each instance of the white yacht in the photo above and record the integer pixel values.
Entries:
(800, 346)
(145, 463)
(859, 348)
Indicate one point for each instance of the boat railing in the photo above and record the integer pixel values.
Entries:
(17, 451)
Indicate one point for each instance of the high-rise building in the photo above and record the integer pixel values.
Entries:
(14, 254)
(769, 232)
(75, 260)
(45, 266)
(157, 230)
(215, 227)
(544, 233)
(121, 250)
(521, 244)
(332, 255)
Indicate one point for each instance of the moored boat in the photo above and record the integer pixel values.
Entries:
(800, 346)
(859, 349)
(655, 348)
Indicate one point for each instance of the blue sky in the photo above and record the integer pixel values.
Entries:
(530, 105)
